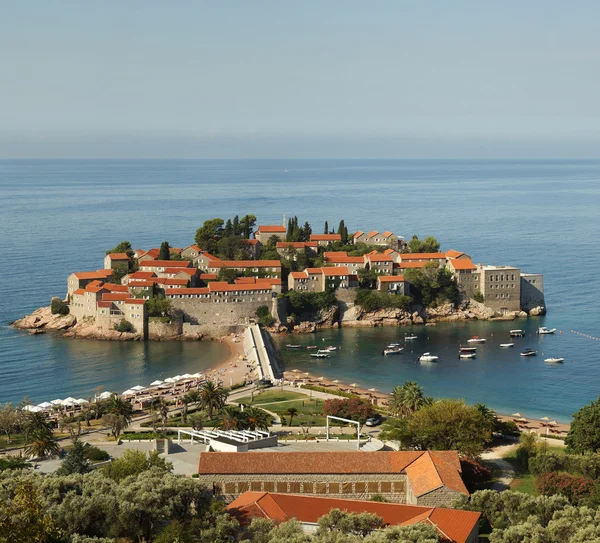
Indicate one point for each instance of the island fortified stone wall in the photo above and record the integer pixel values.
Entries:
(532, 291)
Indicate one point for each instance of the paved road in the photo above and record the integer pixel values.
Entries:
(507, 472)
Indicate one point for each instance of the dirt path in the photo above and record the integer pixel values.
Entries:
(507, 472)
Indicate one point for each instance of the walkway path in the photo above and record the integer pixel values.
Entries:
(507, 472)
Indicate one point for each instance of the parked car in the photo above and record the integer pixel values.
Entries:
(374, 421)
(266, 383)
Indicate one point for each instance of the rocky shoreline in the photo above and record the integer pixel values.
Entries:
(355, 317)
(42, 320)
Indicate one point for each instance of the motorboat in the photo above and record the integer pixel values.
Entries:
(467, 355)
(410, 337)
(395, 350)
(517, 333)
(463, 349)
(320, 354)
(544, 330)
(393, 345)
(476, 339)
(311, 347)
(294, 346)
(331, 348)
(507, 344)
(428, 357)
(528, 352)
(554, 360)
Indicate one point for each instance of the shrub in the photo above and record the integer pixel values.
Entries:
(124, 326)
(352, 408)
(572, 487)
(95, 454)
(371, 300)
(267, 320)
(58, 307)
(474, 474)
(478, 297)
(262, 311)
(310, 302)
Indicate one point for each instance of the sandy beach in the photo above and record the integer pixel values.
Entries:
(379, 398)
(234, 369)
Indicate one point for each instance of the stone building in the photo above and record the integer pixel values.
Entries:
(379, 263)
(159, 266)
(501, 287)
(417, 477)
(466, 275)
(253, 246)
(265, 231)
(439, 258)
(393, 284)
(387, 239)
(325, 239)
(290, 249)
(79, 280)
(341, 259)
(113, 261)
(532, 291)
(190, 252)
(268, 267)
(453, 525)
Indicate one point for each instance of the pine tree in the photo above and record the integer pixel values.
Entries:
(236, 226)
(165, 253)
(306, 231)
(326, 230)
(75, 461)
(341, 228)
(228, 229)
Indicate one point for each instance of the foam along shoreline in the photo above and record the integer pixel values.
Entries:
(542, 427)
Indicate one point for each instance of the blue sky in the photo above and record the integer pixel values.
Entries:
(272, 78)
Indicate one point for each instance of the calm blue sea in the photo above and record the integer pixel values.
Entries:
(60, 216)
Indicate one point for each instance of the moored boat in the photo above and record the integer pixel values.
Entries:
(544, 330)
(476, 339)
(467, 355)
(295, 346)
(528, 352)
(428, 357)
(463, 349)
(554, 360)
(507, 344)
(410, 337)
(320, 354)
(517, 333)
(396, 350)
(331, 348)
(311, 347)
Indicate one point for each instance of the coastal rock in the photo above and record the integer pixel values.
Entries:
(36, 331)
(305, 327)
(43, 318)
(536, 311)
(89, 330)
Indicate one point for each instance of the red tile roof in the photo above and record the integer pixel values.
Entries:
(165, 264)
(209, 256)
(344, 258)
(115, 296)
(118, 256)
(175, 250)
(194, 247)
(141, 275)
(314, 271)
(245, 264)
(389, 251)
(295, 244)
(135, 301)
(203, 290)
(325, 237)
(79, 291)
(387, 234)
(454, 525)
(142, 284)
(208, 276)
(432, 471)
(453, 254)
(172, 281)
(100, 274)
(462, 264)
(271, 229)
(417, 264)
(189, 271)
(115, 288)
(152, 252)
(250, 241)
(372, 233)
(422, 256)
(358, 234)
(221, 286)
(299, 275)
(94, 289)
(391, 278)
(333, 271)
(245, 280)
(102, 303)
(378, 257)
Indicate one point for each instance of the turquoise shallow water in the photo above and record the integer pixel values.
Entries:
(60, 216)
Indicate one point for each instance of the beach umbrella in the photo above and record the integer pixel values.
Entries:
(33, 408)
(176, 378)
(70, 399)
(372, 389)
(523, 419)
(545, 418)
(45, 405)
(137, 388)
(553, 423)
(306, 373)
(128, 392)
(80, 401)
(516, 415)
(156, 383)
(69, 402)
(170, 380)
(198, 375)
(295, 371)
(186, 376)
(105, 395)
(336, 381)
(321, 378)
(353, 384)
(56, 402)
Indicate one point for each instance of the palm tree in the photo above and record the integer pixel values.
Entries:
(192, 397)
(292, 412)
(41, 443)
(212, 397)
(258, 419)
(118, 406)
(232, 419)
(407, 398)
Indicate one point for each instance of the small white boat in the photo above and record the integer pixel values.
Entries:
(507, 344)
(295, 346)
(544, 330)
(320, 354)
(410, 337)
(467, 349)
(476, 339)
(517, 333)
(393, 345)
(528, 352)
(428, 357)
(395, 350)
(331, 348)
(311, 347)
(467, 355)
(554, 360)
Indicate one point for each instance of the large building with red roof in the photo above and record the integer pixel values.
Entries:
(453, 525)
(381, 239)
(431, 478)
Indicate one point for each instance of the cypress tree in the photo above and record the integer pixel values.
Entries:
(326, 230)
(228, 229)
(236, 226)
(164, 253)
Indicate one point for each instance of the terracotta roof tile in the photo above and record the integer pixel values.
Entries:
(417, 264)
(387, 234)
(245, 264)
(358, 234)
(118, 256)
(430, 472)
(453, 254)
(182, 291)
(372, 233)
(208, 276)
(454, 525)
(390, 278)
(115, 296)
(99, 274)
(141, 275)
(189, 271)
(462, 264)
(422, 256)
(314, 271)
(115, 288)
(165, 264)
(142, 284)
(325, 237)
(299, 275)
(135, 301)
(271, 229)
(295, 244)
(102, 303)
(172, 281)
(344, 258)
(379, 257)
(333, 271)
(79, 291)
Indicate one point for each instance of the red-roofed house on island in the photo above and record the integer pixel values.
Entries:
(387, 239)
(430, 478)
(265, 231)
(453, 525)
(289, 249)
(116, 260)
(379, 263)
(325, 239)
(81, 279)
(393, 284)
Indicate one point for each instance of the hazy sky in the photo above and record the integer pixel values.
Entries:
(277, 78)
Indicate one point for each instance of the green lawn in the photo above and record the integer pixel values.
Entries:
(270, 396)
(16, 440)
(525, 481)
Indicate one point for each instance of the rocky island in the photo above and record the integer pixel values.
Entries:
(286, 278)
